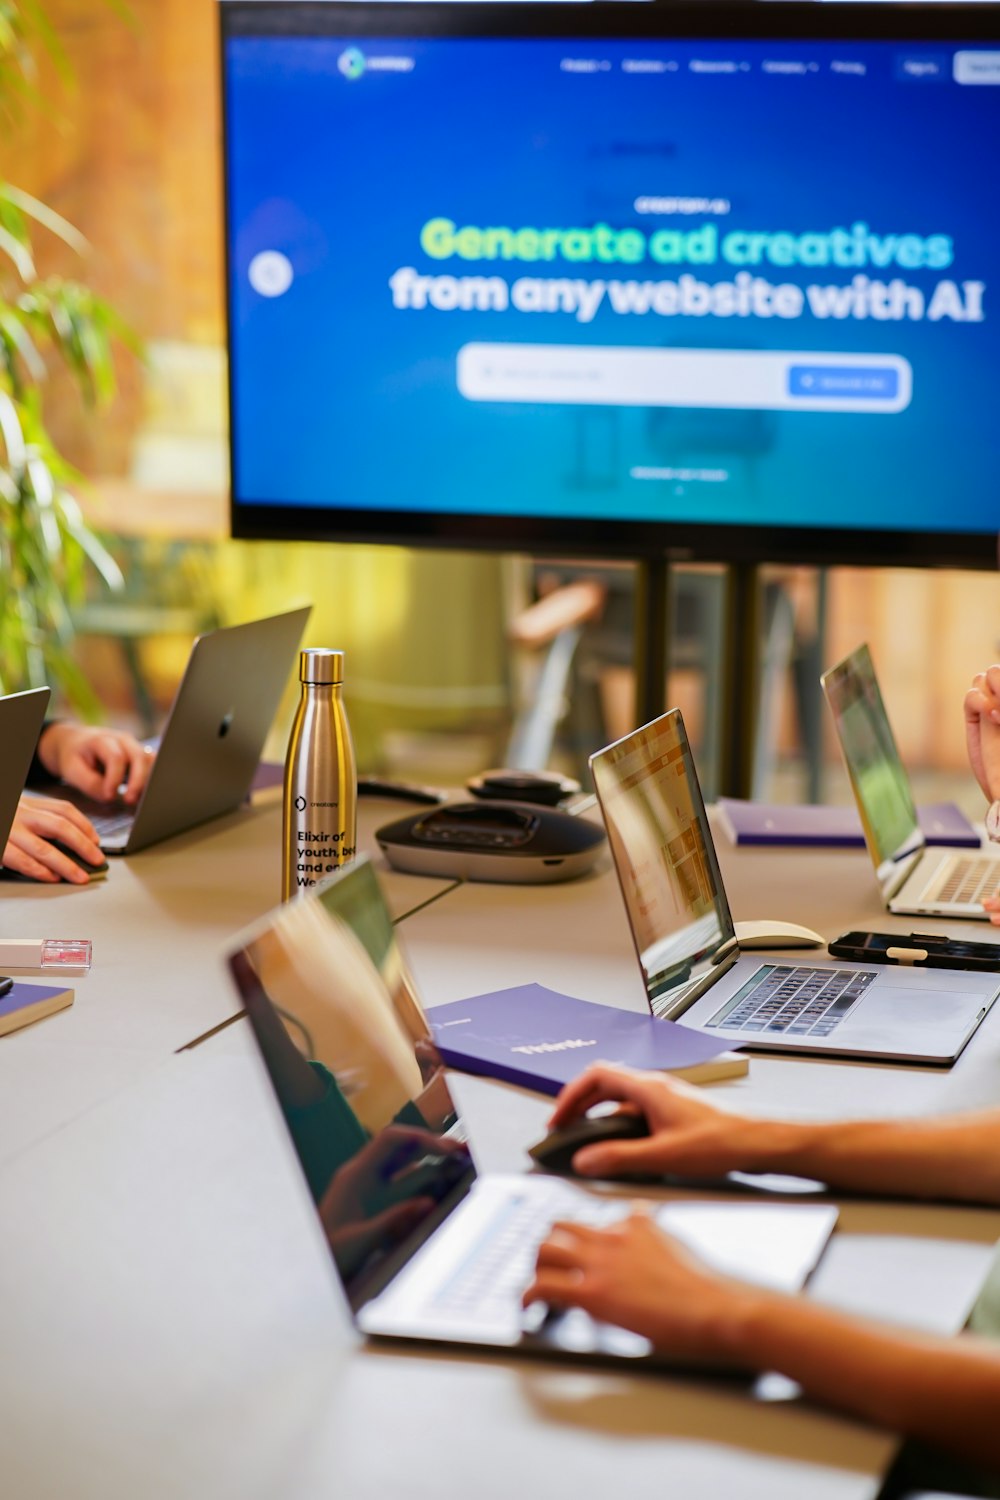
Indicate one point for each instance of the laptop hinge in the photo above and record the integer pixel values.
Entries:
(686, 999)
(903, 873)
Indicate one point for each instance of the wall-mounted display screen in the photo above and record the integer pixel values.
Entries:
(617, 277)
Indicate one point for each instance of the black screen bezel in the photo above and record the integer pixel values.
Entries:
(968, 21)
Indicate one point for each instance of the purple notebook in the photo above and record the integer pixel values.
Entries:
(25, 1002)
(540, 1039)
(832, 827)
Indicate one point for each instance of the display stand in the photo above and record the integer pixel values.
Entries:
(739, 664)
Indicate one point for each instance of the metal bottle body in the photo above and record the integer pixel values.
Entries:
(321, 786)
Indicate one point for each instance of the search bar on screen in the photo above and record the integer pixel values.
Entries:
(733, 379)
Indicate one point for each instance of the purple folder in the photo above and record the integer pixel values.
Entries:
(833, 827)
(540, 1039)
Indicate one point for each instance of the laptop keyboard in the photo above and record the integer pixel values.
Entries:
(500, 1264)
(964, 880)
(796, 1001)
(109, 824)
(113, 828)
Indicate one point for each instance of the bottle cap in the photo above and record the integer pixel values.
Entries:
(321, 666)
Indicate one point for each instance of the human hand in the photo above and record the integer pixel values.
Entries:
(369, 1203)
(687, 1135)
(982, 730)
(39, 824)
(635, 1276)
(379, 1171)
(96, 761)
(354, 1242)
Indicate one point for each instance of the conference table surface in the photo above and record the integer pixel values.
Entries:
(170, 1322)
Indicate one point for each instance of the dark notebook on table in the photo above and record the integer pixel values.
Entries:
(816, 825)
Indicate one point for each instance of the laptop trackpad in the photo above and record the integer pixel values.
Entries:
(906, 1009)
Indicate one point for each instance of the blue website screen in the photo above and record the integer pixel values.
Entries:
(718, 282)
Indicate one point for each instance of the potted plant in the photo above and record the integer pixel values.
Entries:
(45, 546)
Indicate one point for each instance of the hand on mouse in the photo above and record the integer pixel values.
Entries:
(687, 1135)
(40, 824)
(96, 761)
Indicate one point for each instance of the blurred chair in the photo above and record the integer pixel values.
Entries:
(547, 636)
(168, 592)
(576, 637)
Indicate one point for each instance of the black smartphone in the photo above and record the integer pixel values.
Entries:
(6, 984)
(925, 950)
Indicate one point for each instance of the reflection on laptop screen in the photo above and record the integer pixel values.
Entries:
(664, 855)
(358, 1079)
(881, 786)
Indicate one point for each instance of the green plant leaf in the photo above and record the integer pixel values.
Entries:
(90, 543)
(48, 554)
(13, 435)
(18, 253)
(20, 345)
(47, 217)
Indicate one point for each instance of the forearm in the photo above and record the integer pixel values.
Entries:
(47, 749)
(944, 1391)
(950, 1157)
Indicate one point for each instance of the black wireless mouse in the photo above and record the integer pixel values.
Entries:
(556, 1151)
(96, 872)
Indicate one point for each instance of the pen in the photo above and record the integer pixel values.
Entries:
(45, 953)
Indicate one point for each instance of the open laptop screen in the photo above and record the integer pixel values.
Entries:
(21, 718)
(664, 856)
(881, 786)
(358, 1079)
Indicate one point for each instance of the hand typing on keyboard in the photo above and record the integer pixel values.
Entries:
(96, 761)
(944, 1391)
(50, 840)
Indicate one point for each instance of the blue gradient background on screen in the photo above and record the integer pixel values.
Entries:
(342, 400)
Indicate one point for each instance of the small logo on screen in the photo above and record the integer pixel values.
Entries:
(351, 63)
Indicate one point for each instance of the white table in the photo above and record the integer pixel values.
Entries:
(160, 924)
(168, 1313)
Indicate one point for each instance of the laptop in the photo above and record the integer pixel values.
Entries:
(211, 743)
(912, 878)
(21, 718)
(424, 1247)
(688, 950)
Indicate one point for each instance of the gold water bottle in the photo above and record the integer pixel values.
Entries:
(321, 779)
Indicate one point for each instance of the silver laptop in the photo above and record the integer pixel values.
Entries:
(689, 954)
(21, 718)
(426, 1248)
(211, 743)
(912, 878)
